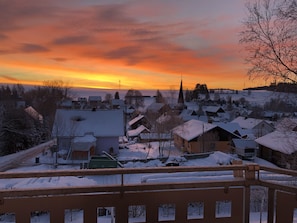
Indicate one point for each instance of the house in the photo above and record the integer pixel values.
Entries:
(67, 104)
(73, 126)
(188, 114)
(245, 148)
(234, 128)
(279, 147)
(138, 121)
(129, 111)
(136, 132)
(271, 115)
(83, 147)
(117, 104)
(213, 110)
(258, 126)
(195, 136)
(94, 101)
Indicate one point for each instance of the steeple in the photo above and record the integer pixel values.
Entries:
(181, 94)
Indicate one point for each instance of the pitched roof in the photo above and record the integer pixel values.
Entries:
(188, 114)
(192, 129)
(282, 141)
(287, 124)
(83, 143)
(214, 109)
(136, 119)
(247, 123)
(244, 143)
(137, 131)
(233, 128)
(80, 122)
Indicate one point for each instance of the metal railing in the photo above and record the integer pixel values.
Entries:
(158, 200)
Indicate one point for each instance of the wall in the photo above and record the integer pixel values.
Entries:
(105, 143)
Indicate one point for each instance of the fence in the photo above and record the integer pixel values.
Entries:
(158, 201)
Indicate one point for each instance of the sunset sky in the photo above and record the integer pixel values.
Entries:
(139, 44)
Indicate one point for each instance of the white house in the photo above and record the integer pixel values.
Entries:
(71, 126)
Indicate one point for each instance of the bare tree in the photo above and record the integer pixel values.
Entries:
(270, 39)
(159, 97)
(134, 97)
(45, 99)
(163, 127)
(59, 87)
(108, 98)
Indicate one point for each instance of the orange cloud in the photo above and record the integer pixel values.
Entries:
(100, 45)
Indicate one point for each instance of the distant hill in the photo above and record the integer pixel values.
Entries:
(279, 87)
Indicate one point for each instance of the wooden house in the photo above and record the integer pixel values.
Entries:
(195, 136)
(280, 146)
(138, 121)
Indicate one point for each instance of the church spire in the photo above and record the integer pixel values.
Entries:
(181, 94)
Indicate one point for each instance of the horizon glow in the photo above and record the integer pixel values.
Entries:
(105, 44)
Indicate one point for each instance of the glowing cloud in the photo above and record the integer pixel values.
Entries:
(143, 44)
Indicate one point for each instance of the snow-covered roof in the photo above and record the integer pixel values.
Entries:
(192, 129)
(244, 143)
(282, 141)
(34, 114)
(136, 119)
(233, 128)
(188, 114)
(287, 124)
(85, 138)
(80, 122)
(83, 143)
(213, 109)
(247, 123)
(137, 131)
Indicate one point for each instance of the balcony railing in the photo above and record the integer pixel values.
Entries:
(171, 198)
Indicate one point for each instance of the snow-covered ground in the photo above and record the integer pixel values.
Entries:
(130, 156)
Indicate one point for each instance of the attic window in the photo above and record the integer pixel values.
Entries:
(77, 118)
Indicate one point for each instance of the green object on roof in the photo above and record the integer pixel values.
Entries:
(97, 162)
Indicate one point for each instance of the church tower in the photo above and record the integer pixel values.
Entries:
(181, 100)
